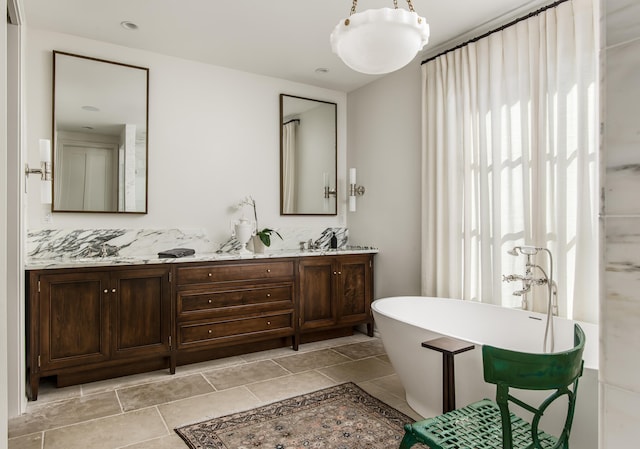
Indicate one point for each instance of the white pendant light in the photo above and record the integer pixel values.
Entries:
(379, 41)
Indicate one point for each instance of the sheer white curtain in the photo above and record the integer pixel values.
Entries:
(289, 166)
(509, 158)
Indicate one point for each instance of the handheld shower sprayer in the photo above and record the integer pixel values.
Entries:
(525, 250)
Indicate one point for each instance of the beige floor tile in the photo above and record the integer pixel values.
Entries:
(33, 441)
(63, 413)
(358, 370)
(166, 442)
(391, 399)
(340, 341)
(209, 365)
(361, 350)
(108, 433)
(288, 386)
(270, 354)
(244, 374)
(163, 402)
(103, 386)
(141, 396)
(311, 360)
(48, 392)
(392, 384)
(220, 403)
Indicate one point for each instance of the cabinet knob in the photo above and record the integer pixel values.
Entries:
(268, 270)
(210, 274)
(209, 301)
(269, 322)
(113, 290)
(339, 272)
(210, 331)
(268, 295)
(106, 290)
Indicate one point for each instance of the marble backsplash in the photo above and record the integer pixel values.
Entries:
(56, 244)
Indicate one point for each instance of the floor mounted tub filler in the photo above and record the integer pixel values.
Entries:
(405, 322)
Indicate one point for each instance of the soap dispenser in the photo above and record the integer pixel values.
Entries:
(334, 242)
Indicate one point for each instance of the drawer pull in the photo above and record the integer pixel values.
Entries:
(210, 331)
(339, 272)
(335, 272)
(210, 274)
(106, 290)
(269, 322)
(209, 301)
(268, 270)
(113, 290)
(268, 295)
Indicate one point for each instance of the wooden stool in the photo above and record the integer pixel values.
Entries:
(448, 347)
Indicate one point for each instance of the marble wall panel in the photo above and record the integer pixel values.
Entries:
(620, 418)
(622, 129)
(619, 329)
(622, 23)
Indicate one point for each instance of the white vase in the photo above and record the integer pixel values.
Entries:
(244, 230)
(258, 246)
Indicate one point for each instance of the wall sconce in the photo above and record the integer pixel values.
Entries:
(44, 171)
(354, 190)
(328, 191)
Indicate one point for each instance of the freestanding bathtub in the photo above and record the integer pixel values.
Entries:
(405, 322)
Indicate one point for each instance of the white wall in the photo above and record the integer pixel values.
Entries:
(620, 303)
(384, 145)
(213, 139)
(4, 286)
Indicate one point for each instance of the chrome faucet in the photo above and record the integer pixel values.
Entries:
(528, 281)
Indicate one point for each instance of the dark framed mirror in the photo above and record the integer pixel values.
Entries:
(100, 139)
(308, 156)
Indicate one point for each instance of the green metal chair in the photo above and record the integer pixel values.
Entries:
(489, 424)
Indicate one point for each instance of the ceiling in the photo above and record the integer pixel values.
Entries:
(286, 39)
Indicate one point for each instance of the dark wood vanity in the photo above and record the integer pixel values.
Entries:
(86, 324)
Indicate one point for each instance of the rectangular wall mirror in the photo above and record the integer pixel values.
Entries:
(100, 141)
(308, 155)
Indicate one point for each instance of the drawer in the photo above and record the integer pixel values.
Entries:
(202, 332)
(234, 272)
(267, 297)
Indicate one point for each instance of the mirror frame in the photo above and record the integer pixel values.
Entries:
(55, 143)
(335, 156)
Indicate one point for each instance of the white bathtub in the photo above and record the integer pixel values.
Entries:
(405, 322)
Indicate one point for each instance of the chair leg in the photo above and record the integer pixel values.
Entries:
(409, 440)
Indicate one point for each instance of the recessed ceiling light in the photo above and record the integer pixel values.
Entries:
(128, 25)
(322, 70)
(90, 108)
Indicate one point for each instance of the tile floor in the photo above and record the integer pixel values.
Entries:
(141, 411)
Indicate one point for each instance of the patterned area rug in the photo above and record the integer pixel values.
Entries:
(340, 417)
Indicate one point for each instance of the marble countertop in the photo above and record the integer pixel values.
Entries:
(42, 264)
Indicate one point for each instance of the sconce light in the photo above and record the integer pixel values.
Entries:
(354, 190)
(328, 191)
(44, 171)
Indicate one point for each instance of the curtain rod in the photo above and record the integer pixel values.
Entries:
(489, 33)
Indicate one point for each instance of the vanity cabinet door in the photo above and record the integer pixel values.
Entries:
(317, 292)
(73, 317)
(336, 291)
(140, 312)
(354, 289)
